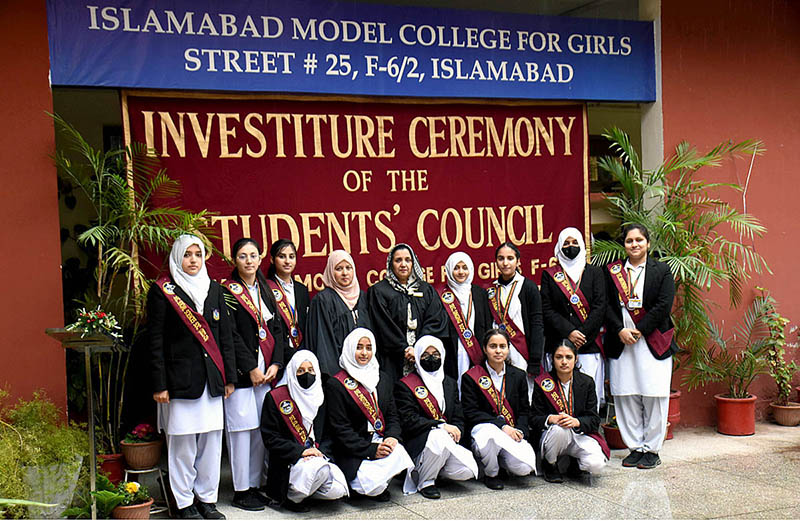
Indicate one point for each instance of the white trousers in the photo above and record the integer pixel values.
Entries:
(558, 441)
(592, 364)
(373, 476)
(246, 452)
(495, 448)
(194, 461)
(442, 456)
(316, 477)
(642, 421)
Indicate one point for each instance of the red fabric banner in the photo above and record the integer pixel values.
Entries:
(363, 176)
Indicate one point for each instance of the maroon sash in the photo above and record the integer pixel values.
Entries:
(577, 300)
(465, 334)
(424, 397)
(484, 381)
(514, 333)
(291, 414)
(659, 342)
(363, 400)
(295, 335)
(195, 323)
(267, 344)
(552, 390)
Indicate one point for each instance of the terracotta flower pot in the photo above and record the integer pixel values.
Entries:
(674, 412)
(139, 456)
(736, 416)
(140, 511)
(798, 392)
(613, 437)
(788, 415)
(112, 466)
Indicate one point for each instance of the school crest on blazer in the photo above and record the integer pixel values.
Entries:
(448, 297)
(169, 288)
(235, 288)
(350, 383)
(485, 382)
(278, 295)
(286, 407)
(421, 392)
(548, 385)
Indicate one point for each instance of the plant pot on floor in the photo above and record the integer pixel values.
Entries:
(52, 484)
(140, 511)
(736, 416)
(140, 456)
(798, 392)
(788, 414)
(613, 437)
(112, 466)
(674, 412)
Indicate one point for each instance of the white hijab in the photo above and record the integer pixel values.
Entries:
(433, 381)
(461, 289)
(573, 267)
(367, 375)
(196, 286)
(307, 400)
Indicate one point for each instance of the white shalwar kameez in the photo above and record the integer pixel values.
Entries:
(373, 476)
(194, 446)
(640, 385)
(494, 448)
(515, 315)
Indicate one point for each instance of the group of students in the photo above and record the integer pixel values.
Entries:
(334, 396)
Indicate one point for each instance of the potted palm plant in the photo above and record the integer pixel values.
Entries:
(134, 210)
(704, 239)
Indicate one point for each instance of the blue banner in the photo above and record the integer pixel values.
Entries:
(315, 46)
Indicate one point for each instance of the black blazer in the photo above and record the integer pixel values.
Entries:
(246, 336)
(584, 403)
(483, 323)
(301, 304)
(416, 424)
(178, 362)
(329, 322)
(284, 449)
(560, 319)
(347, 426)
(477, 409)
(532, 321)
(659, 294)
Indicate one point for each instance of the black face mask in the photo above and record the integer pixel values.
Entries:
(306, 380)
(571, 251)
(430, 363)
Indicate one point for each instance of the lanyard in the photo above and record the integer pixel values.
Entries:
(259, 313)
(569, 401)
(504, 307)
(502, 396)
(633, 283)
(572, 289)
(469, 308)
(291, 308)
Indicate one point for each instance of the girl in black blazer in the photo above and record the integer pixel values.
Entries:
(433, 422)
(496, 410)
(516, 307)
(574, 307)
(639, 346)
(260, 344)
(564, 420)
(362, 420)
(291, 296)
(469, 317)
(192, 368)
(292, 427)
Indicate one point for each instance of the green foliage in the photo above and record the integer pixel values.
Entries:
(780, 371)
(738, 360)
(32, 433)
(135, 209)
(107, 497)
(705, 241)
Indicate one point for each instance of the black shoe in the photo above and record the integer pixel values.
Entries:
(246, 500)
(649, 461)
(632, 459)
(430, 492)
(574, 470)
(493, 482)
(291, 506)
(383, 497)
(260, 496)
(189, 512)
(551, 473)
(209, 510)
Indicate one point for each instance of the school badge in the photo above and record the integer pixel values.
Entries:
(467, 334)
(448, 297)
(616, 268)
(485, 382)
(421, 392)
(548, 385)
(350, 383)
(378, 425)
(575, 299)
(559, 277)
(286, 407)
(278, 295)
(490, 292)
(235, 288)
(169, 288)
(215, 314)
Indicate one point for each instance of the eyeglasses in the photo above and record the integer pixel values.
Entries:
(244, 256)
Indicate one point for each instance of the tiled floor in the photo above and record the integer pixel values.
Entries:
(703, 475)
